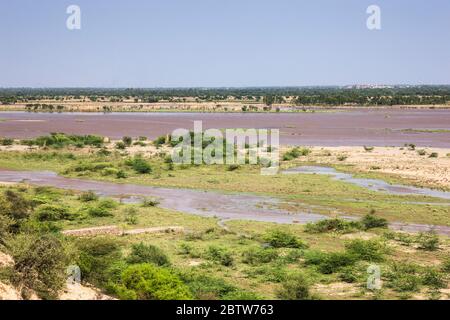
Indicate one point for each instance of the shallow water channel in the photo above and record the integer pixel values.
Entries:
(225, 206)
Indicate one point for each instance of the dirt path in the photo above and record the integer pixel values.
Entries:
(117, 231)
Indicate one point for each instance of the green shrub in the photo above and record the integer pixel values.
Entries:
(433, 155)
(349, 274)
(404, 238)
(120, 145)
(60, 140)
(109, 172)
(220, 255)
(368, 149)
(50, 212)
(103, 152)
(98, 211)
(328, 263)
(428, 241)
(342, 157)
(141, 253)
(283, 239)
(206, 287)
(332, 225)
(367, 250)
(446, 265)
(295, 153)
(15, 206)
(370, 221)
(6, 142)
(96, 258)
(127, 141)
(403, 277)
(131, 216)
(88, 196)
(39, 264)
(233, 167)
(256, 256)
(159, 141)
(148, 282)
(149, 202)
(139, 165)
(434, 279)
(296, 287)
(121, 174)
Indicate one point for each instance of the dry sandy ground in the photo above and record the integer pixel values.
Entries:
(405, 163)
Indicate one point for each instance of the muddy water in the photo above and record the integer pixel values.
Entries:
(372, 184)
(381, 127)
(204, 203)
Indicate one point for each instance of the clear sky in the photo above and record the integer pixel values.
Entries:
(212, 43)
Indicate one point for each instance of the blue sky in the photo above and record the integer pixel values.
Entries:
(212, 43)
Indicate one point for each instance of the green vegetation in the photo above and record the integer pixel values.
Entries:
(295, 153)
(61, 140)
(148, 282)
(204, 263)
(245, 260)
(283, 239)
(307, 96)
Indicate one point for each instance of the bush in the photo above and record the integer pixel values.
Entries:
(159, 141)
(349, 274)
(102, 208)
(282, 239)
(139, 165)
(295, 153)
(296, 287)
(60, 140)
(233, 167)
(6, 142)
(433, 155)
(120, 145)
(96, 258)
(434, 279)
(446, 265)
(332, 225)
(403, 277)
(50, 212)
(370, 221)
(367, 250)
(131, 216)
(342, 157)
(220, 255)
(149, 202)
(15, 206)
(328, 263)
(205, 287)
(127, 141)
(88, 196)
(39, 264)
(368, 149)
(428, 241)
(141, 253)
(121, 174)
(256, 256)
(148, 282)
